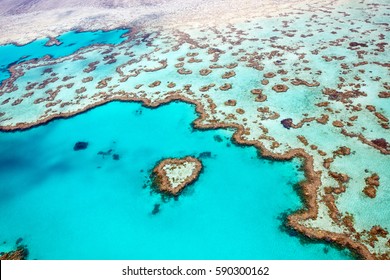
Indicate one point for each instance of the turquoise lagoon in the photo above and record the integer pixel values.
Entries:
(68, 204)
(71, 42)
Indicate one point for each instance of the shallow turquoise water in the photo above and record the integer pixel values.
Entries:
(68, 204)
(71, 42)
(81, 205)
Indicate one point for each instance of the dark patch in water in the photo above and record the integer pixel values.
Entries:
(205, 155)
(287, 123)
(145, 37)
(218, 138)
(115, 157)
(164, 197)
(156, 209)
(297, 187)
(19, 240)
(265, 159)
(80, 146)
(356, 44)
(105, 153)
(25, 251)
(326, 250)
(381, 142)
(21, 59)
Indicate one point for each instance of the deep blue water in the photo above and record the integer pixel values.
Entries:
(68, 204)
(71, 42)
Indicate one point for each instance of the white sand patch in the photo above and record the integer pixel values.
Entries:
(179, 173)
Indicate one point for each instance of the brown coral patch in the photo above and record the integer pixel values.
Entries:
(303, 140)
(369, 191)
(379, 231)
(256, 91)
(171, 85)
(205, 72)
(381, 142)
(17, 102)
(228, 75)
(230, 102)
(52, 42)
(356, 44)
(372, 184)
(225, 87)
(81, 90)
(384, 94)
(69, 85)
(322, 104)
(231, 65)
(275, 145)
(373, 234)
(206, 87)
(87, 79)
(280, 88)
(344, 97)
(327, 162)
(297, 82)
(261, 98)
(183, 71)
(91, 67)
(155, 84)
(321, 153)
(240, 111)
(381, 117)
(339, 177)
(329, 201)
(337, 124)
(342, 151)
(194, 60)
(323, 119)
(269, 75)
(103, 83)
(20, 253)
(265, 82)
(179, 65)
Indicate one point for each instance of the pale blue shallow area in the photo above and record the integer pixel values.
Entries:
(68, 204)
(71, 42)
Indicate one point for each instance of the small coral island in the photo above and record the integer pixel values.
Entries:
(172, 175)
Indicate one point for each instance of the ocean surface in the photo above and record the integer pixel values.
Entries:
(68, 204)
(84, 204)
